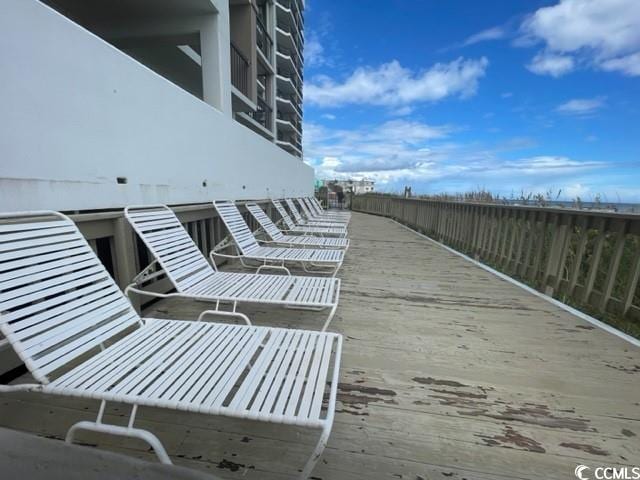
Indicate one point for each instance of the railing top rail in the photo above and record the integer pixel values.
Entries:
(537, 208)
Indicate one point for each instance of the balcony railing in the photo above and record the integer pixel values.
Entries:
(292, 98)
(284, 76)
(239, 70)
(295, 40)
(263, 115)
(293, 119)
(263, 39)
(291, 54)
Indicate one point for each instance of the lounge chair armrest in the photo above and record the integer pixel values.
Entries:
(132, 288)
(222, 313)
(269, 241)
(213, 253)
(274, 267)
(21, 387)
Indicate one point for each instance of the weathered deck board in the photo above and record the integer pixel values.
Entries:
(448, 372)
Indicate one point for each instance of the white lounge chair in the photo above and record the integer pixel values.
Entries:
(79, 336)
(315, 217)
(307, 230)
(277, 236)
(248, 248)
(301, 221)
(315, 207)
(195, 278)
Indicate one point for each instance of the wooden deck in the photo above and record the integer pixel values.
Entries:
(448, 373)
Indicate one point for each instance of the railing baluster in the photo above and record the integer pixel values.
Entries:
(632, 282)
(614, 263)
(595, 261)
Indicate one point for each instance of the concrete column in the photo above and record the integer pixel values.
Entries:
(216, 60)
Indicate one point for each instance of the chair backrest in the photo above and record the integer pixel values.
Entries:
(317, 203)
(305, 210)
(311, 205)
(294, 210)
(265, 222)
(168, 241)
(283, 213)
(57, 301)
(238, 228)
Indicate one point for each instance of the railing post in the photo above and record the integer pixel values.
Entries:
(583, 227)
(595, 261)
(620, 230)
(540, 232)
(632, 283)
(555, 259)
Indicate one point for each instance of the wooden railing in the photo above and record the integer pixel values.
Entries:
(585, 258)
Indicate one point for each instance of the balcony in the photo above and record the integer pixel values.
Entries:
(288, 103)
(289, 123)
(263, 39)
(289, 147)
(239, 70)
(288, 40)
(289, 140)
(263, 115)
(287, 17)
(288, 63)
(289, 86)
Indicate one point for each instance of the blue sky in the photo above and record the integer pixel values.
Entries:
(452, 96)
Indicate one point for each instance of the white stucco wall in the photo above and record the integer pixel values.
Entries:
(76, 113)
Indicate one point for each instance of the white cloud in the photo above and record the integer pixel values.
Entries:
(402, 111)
(629, 64)
(581, 106)
(604, 34)
(393, 85)
(577, 190)
(546, 63)
(313, 51)
(506, 95)
(402, 152)
(384, 151)
(494, 33)
(549, 163)
(328, 116)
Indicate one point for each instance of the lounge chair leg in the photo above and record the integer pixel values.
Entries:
(329, 318)
(335, 272)
(128, 431)
(317, 453)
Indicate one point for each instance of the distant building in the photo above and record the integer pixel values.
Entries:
(357, 187)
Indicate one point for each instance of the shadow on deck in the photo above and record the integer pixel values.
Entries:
(448, 373)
